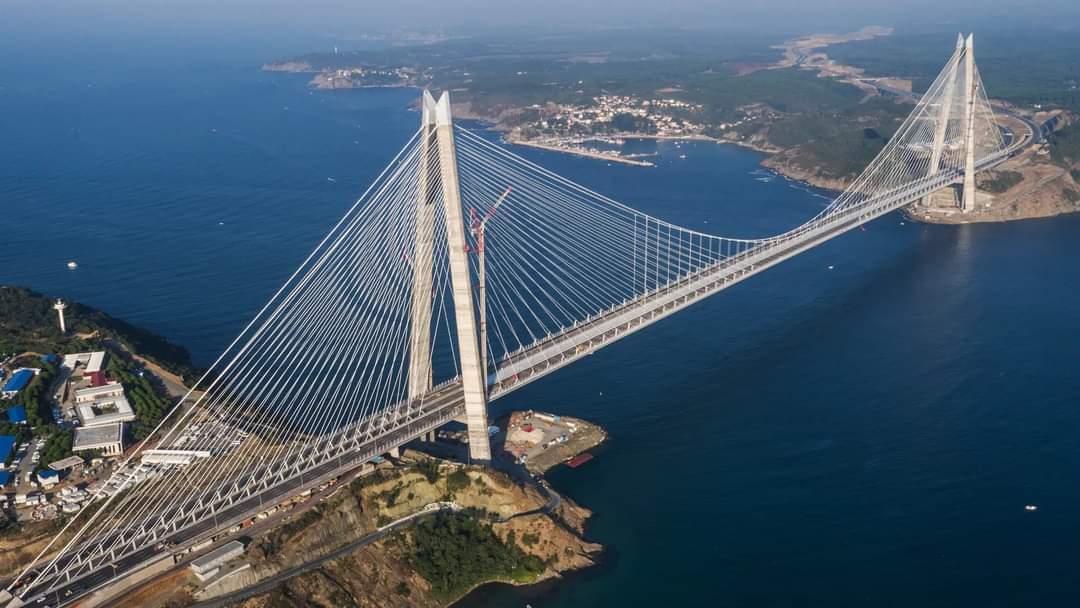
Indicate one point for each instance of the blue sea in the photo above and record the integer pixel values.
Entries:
(861, 426)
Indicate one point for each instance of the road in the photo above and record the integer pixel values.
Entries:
(26, 465)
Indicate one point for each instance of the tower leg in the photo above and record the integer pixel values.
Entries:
(423, 252)
(967, 202)
(472, 379)
(942, 126)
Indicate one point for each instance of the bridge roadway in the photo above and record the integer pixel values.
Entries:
(447, 401)
(565, 347)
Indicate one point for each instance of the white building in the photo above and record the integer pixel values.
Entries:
(89, 395)
(90, 362)
(177, 457)
(101, 405)
(108, 438)
(208, 565)
(71, 462)
(48, 479)
(75, 495)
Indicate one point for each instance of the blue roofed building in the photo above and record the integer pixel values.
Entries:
(17, 381)
(17, 414)
(50, 358)
(48, 479)
(5, 477)
(7, 446)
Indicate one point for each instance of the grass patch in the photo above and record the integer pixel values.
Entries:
(1001, 181)
(458, 480)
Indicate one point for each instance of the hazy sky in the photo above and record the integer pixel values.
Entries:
(342, 17)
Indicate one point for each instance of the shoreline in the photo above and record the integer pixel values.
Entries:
(613, 157)
(767, 162)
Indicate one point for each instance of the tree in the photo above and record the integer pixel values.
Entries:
(457, 480)
(454, 552)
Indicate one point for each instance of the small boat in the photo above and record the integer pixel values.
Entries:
(682, 156)
(831, 267)
(1031, 507)
(330, 179)
(72, 265)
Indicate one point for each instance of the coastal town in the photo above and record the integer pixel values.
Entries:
(598, 129)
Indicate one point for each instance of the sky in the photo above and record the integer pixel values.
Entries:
(342, 17)
(61, 34)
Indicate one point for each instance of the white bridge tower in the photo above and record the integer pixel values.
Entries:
(971, 85)
(962, 123)
(437, 131)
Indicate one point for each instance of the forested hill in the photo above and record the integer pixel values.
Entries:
(28, 323)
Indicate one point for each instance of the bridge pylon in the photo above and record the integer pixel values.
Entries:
(423, 258)
(941, 128)
(473, 376)
(971, 86)
(960, 127)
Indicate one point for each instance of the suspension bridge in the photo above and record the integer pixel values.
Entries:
(463, 273)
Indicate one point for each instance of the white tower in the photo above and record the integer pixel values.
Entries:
(967, 201)
(60, 306)
(943, 117)
(472, 376)
(439, 162)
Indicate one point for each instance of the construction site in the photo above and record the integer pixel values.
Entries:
(540, 440)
